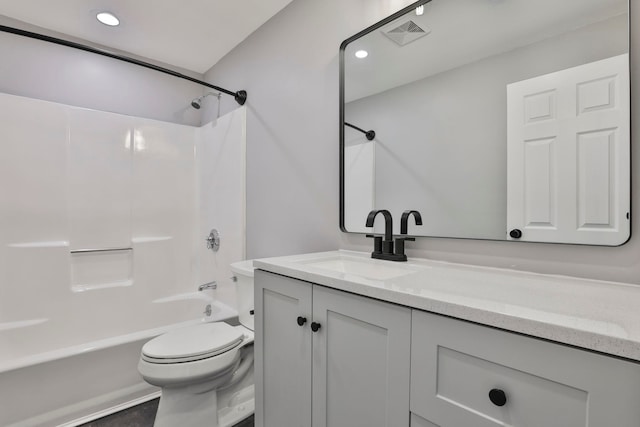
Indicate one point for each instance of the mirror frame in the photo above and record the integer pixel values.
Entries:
(343, 47)
(341, 100)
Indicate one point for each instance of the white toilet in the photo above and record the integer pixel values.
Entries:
(205, 370)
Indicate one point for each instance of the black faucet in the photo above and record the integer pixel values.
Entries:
(403, 231)
(383, 249)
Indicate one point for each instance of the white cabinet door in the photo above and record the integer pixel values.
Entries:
(568, 162)
(282, 351)
(361, 361)
(358, 359)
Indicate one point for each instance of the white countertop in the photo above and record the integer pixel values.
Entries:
(592, 314)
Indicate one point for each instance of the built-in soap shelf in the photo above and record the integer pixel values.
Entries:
(105, 268)
(93, 269)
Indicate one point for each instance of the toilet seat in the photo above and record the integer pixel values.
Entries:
(192, 343)
(162, 372)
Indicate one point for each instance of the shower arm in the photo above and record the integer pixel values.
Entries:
(370, 134)
(240, 96)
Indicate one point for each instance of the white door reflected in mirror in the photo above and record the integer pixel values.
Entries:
(568, 165)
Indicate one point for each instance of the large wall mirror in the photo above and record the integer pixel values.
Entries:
(496, 119)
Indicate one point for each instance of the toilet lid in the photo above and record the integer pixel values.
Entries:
(192, 343)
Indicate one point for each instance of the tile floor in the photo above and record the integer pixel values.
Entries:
(141, 416)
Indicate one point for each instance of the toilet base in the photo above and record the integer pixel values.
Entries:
(236, 405)
(177, 408)
(187, 408)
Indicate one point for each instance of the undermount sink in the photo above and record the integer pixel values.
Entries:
(363, 267)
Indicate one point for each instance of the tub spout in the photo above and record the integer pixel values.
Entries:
(210, 285)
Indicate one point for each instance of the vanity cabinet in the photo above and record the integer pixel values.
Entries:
(328, 358)
(465, 374)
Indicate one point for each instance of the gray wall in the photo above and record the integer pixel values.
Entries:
(41, 70)
(290, 68)
(443, 139)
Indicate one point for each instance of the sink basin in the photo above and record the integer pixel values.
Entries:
(362, 267)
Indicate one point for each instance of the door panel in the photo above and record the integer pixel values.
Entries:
(568, 169)
(282, 351)
(360, 361)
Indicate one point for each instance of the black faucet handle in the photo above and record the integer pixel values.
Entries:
(399, 254)
(377, 243)
(400, 247)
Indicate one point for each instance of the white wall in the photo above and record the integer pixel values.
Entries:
(220, 163)
(290, 69)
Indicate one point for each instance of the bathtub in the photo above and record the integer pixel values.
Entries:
(54, 376)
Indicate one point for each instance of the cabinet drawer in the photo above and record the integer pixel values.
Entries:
(455, 365)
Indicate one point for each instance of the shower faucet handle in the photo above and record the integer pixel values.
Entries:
(213, 240)
(207, 311)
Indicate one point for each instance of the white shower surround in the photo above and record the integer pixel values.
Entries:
(74, 179)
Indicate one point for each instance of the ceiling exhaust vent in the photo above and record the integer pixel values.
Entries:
(405, 33)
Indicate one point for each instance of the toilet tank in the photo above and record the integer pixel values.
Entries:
(243, 271)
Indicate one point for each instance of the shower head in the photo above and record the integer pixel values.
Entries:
(197, 103)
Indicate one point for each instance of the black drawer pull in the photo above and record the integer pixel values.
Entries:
(498, 397)
(301, 320)
(315, 326)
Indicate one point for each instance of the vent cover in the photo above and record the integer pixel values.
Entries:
(405, 33)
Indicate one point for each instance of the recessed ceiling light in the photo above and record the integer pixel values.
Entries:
(362, 54)
(420, 10)
(108, 19)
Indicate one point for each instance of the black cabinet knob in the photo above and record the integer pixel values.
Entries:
(301, 320)
(515, 233)
(497, 397)
(315, 326)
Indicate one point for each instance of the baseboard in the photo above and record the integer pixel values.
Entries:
(112, 410)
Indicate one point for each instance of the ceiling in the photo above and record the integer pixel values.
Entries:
(462, 32)
(190, 34)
